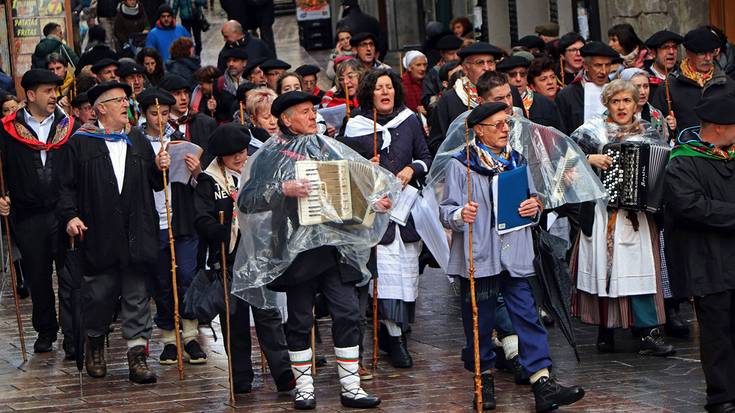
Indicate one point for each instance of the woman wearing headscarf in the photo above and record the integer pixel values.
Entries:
(646, 111)
(415, 65)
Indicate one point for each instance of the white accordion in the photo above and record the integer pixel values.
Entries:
(338, 191)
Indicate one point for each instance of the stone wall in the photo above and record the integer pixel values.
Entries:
(650, 16)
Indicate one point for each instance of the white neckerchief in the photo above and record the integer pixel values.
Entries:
(361, 126)
(462, 93)
(118, 152)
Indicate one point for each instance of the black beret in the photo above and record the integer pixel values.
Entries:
(359, 37)
(234, 53)
(444, 71)
(244, 88)
(228, 139)
(97, 91)
(97, 67)
(148, 97)
(306, 70)
(716, 109)
(127, 69)
(550, 29)
(659, 38)
(292, 98)
(701, 40)
(252, 64)
(165, 8)
(174, 82)
(79, 100)
(483, 111)
(511, 62)
(479, 48)
(35, 77)
(531, 42)
(271, 64)
(568, 40)
(595, 48)
(449, 42)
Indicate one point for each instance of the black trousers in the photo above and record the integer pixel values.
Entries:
(38, 239)
(716, 317)
(343, 307)
(194, 26)
(270, 336)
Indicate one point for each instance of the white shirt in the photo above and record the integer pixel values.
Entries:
(118, 152)
(42, 129)
(158, 196)
(182, 127)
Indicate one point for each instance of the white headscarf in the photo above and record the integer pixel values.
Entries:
(410, 56)
(630, 73)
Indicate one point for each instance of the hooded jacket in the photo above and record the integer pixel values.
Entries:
(127, 24)
(51, 44)
(161, 38)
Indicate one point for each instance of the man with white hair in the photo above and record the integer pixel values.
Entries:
(106, 202)
(236, 38)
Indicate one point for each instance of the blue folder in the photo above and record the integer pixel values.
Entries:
(510, 189)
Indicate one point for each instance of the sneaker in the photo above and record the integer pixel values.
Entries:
(168, 355)
(195, 352)
(364, 373)
(653, 344)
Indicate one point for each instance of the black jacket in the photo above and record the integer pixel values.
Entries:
(185, 67)
(545, 112)
(253, 46)
(200, 127)
(94, 55)
(699, 202)
(447, 109)
(122, 227)
(209, 199)
(570, 102)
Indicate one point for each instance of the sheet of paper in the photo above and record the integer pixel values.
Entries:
(334, 115)
(402, 208)
(178, 172)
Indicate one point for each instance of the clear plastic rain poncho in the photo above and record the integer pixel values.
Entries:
(597, 132)
(272, 233)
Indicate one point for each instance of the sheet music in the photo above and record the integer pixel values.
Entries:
(178, 172)
(402, 208)
(334, 115)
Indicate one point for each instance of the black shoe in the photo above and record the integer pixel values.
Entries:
(195, 352)
(44, 343)
(652, 344)
(70, 352)
(242, 388)
(168, 355)
(502, 363)
(399, 356)
(305, 404)
(383, 339)
(362, 403)
(605, 340)
(727, 407)
(320, 361)
(23, 292)
(550, 395)
(547, 319)
(488, 393)
(519, 373)
(94, 356)
(286, 381)
(675, 326)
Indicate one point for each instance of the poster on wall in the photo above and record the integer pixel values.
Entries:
(312, 10)
(4, 41)
(26, 20)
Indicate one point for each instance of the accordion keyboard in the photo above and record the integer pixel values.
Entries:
(329, 198)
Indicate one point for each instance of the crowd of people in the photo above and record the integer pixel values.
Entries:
(86, 146)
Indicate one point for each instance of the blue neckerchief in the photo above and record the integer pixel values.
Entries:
(477, 166)
(110, 137)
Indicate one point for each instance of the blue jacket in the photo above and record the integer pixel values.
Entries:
(161, 38)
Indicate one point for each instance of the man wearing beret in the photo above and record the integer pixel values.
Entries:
(272, 69)
(665, 46)
(448, 46)
(162, 36)
(106, 202)
(364, 45)
(477, 59)
(105, 70)
(134, 75)
(696, 76)
(317, 269)
(30, 143)
(308, 73)
(82, 109)
(699, 200)
(581, 100)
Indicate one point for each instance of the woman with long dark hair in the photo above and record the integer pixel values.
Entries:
(624, 40)
(152, 61)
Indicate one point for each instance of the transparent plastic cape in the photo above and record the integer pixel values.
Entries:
(559, 168)
(597, 132)
(272, 227)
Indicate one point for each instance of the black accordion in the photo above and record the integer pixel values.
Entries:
(635, 178)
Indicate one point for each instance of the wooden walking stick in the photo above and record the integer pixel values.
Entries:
(561, 71)
(668, 94)
(347, 99)
(223, 259)
(313, 342)
(375, 279)
(13, 276)
(179, 360)
(400, 64)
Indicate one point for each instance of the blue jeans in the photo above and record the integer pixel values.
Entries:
(186, 265)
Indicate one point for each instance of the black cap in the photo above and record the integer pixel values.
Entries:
(97, 67)
(359, 37)
(716, 109)
(148, 97)
(550, 29)
(243, 89)
(97, 91)
(292, 98)
(165, 8)
(531, 42)
(446, 68)
(595, 48)
(234, 53)
(252, 64)
(479, 48)
(449, 42)
(271, 64)
(482, 112)
(228, 139)
(127, 69)
(511, 62)
(36, 77)
(701, 40)
(174, 82)
(659, 38)
(306, 70)
(79, 100)
(568, 40)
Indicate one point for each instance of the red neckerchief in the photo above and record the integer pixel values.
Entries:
(20, 132)
(183, 120)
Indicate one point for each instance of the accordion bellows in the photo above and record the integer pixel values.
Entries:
(338, 192)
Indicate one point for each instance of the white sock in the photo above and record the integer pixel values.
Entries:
(140, 341)
(191, 330)
(510, 346)
(539, 375)
(393, 329)
(301, 368)
(168, 337)
(347, 367)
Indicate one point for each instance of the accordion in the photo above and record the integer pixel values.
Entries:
(635, 178)
(338, 191)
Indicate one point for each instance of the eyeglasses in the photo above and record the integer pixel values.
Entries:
(497, 125)
(351, 76)
(517, 73)
(483, 63)
(573, 51)
(366, 44)
(117, 100)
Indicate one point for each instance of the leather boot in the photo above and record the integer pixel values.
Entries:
(303, 397)
(488, 393)
(653, 344)
(549, 394)
(94, 356)
(605, 340)
(675, 326)
(139, 371)
(399, 356)
(351, 394)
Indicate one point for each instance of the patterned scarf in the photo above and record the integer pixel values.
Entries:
(22, 134)
(698, 77)
(486, 162)
(463, 87)
(91, 130)
(527, 98)
(689, 143)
